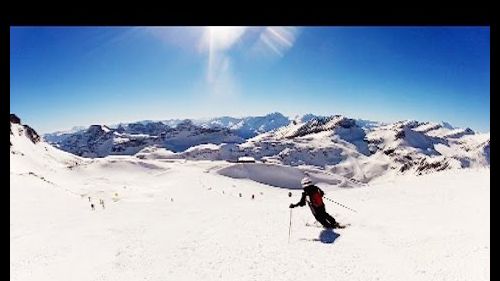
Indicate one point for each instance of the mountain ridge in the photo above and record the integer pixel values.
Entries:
(338, 144)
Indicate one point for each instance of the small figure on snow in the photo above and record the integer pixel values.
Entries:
(92, 206)
(316, 204)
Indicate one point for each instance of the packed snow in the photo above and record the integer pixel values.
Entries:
(179, 219)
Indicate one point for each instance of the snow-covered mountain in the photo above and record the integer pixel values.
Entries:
(248, 127)
(353, 148)
(424, 146)
(340, 146)
(176, 135)
(58, 136)
(245, 127)
(100, 140)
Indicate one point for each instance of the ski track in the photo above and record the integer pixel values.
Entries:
(406, 229)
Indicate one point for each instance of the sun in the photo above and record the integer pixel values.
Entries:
(221, 38)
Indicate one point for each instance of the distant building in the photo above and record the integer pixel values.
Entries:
(246, 159)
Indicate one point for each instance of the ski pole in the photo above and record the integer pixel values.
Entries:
(340, 204)
(290, 226)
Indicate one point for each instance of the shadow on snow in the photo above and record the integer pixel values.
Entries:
(327, 236)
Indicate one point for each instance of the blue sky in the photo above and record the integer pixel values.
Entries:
(62, 77)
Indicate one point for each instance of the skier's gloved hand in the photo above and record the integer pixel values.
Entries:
(292, 206)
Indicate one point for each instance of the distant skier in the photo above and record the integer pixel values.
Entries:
(316, 204)
(92, 206)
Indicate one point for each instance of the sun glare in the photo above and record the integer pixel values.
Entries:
(223, 37)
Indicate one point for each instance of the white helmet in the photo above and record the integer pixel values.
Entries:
(306, 182)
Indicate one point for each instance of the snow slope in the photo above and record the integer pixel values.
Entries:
(176, 219)
(280, 175)
(38, 157)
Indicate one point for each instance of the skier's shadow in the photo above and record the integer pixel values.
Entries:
(328, 236)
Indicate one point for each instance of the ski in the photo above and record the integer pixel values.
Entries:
(340, 226)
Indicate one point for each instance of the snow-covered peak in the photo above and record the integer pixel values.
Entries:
(98, 129)
(315, 125)
(151, 128)
(369, 124)
(224, 122)
(447, 125)
(309, 116)
(443, 130)
(186, 124)
(246, 127)
(408, 123)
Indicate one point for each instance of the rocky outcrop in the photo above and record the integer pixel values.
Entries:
(14, 119)
(30, 133)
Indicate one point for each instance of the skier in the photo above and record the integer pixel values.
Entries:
(316, 204)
